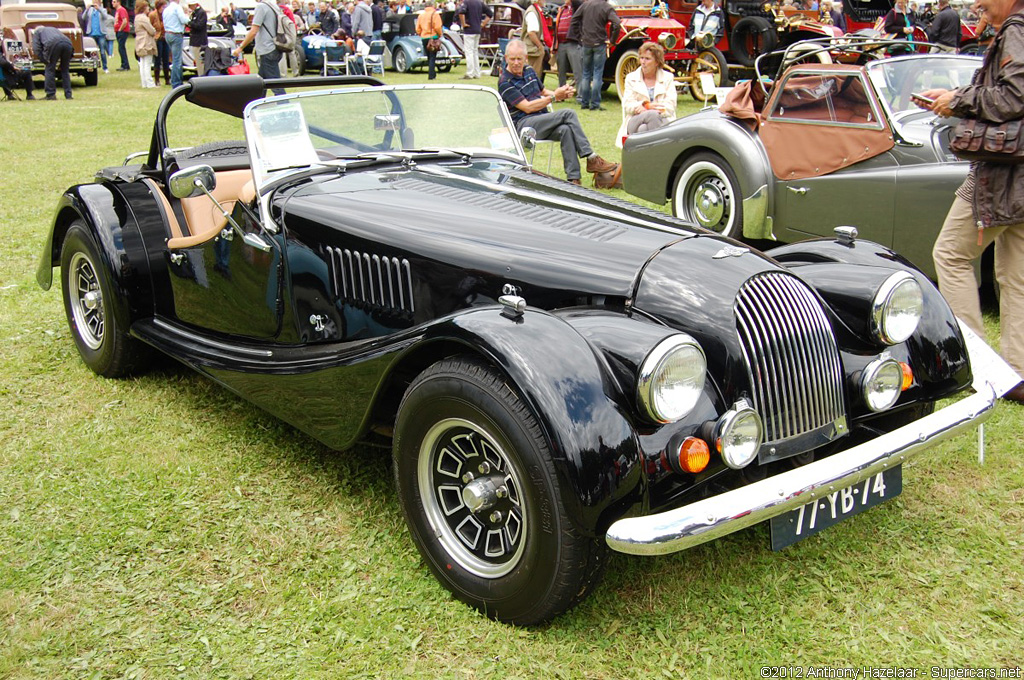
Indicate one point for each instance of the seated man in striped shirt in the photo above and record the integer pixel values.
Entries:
(528, 101)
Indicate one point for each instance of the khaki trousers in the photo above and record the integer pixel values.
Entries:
(954, 253)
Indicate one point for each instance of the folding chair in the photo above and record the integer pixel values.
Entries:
(550, 143)
(374, 61)
(335, 54)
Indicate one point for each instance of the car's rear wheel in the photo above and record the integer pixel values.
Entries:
(482, 499)
(300, 61)
(401, 60)
(101, 339)
(91, 78)
(707, 193)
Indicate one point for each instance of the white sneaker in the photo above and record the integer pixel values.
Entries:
(106, 71)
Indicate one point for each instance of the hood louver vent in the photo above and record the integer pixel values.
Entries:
(384, 282)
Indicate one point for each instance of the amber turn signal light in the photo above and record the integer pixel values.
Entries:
(908, 376)
(692, 457)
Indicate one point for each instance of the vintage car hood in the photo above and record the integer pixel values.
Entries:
(494, 219)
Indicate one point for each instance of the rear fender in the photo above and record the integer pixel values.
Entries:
(568, 387)
(651, 162)
(107, 216)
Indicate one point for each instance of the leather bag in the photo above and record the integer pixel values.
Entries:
(979, 140)
(433, 45)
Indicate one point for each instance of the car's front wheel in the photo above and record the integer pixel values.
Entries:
(707, 193)
(102, 341)
(482, 499)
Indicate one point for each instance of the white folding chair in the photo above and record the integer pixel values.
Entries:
(374, 61)
(550, 143)
(335, 56)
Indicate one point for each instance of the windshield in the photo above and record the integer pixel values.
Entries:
(896, 79)
(305, 129)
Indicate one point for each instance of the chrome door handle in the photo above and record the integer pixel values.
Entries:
(798, 190)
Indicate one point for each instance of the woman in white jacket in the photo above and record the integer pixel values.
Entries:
(649, 96)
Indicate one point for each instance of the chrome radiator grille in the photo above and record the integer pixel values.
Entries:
(792, 358)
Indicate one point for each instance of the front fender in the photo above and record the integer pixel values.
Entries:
(568, 387)
(106, 214)
(651, 161)
(937, 348)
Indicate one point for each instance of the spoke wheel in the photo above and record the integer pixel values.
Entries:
(482, 499)
(707, 194)
(97, 325)
(628, 62)
(709, 61)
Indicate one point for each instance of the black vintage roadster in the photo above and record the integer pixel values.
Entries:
(560, 373)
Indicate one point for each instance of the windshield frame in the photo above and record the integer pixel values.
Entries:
(875, 70)
(262, 177)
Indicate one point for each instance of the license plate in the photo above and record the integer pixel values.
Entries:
(809, 519)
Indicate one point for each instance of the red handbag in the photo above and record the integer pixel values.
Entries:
(239, 69)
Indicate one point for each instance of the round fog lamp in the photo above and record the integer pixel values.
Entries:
(738, 436)
(897, 308)
(671, 378)
(882, 383)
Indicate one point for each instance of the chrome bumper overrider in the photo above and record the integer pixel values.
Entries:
(725, 513)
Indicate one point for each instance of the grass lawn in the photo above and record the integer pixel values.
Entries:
(161, 527)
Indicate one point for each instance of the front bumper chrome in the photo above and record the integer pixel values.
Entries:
(725, 513)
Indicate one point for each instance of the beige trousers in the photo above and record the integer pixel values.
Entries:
(954, 253)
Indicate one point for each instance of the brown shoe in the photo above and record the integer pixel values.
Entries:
(576, 182)
(1016, 394)
(597, 164)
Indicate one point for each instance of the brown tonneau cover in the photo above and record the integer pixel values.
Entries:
(831, 121)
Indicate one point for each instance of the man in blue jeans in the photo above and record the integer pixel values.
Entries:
(263, 30)
(590, 22)
(174, 33)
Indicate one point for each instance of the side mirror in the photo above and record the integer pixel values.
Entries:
(192, 182)
(528, 137)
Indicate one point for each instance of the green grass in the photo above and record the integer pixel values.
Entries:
(160, 527)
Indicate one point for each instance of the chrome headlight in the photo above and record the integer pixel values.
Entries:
(881, 383)
(897, 308)
(671, 378)
(738, 435)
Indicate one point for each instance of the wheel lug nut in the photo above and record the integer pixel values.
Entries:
(501, 492)
(495, 516)
(484, 468)
(467, 478)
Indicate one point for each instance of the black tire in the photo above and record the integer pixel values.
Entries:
(751, 37)
(628, 62)
(463, 436)
(92, 78)
(101, 337)
(709, 60)
(707, 193)
(401, 61)
(300, 61)
(444, 69)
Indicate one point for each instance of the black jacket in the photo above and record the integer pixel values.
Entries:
(590, 23)
(197, 28)
(945, 28)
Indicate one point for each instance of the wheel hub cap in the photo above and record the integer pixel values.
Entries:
(709, 205)
(86, 301)
(471, 496)
(91, 300)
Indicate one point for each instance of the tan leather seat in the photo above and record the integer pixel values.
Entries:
(202, 216)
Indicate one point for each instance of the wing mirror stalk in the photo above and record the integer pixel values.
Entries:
(201, 180)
